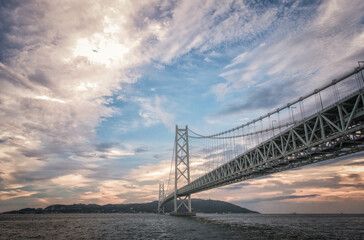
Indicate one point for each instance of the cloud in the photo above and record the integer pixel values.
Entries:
(237, 186)
(141, 150)
(7, 195)
(105, 146)
(360, 163)
(265, 96)
(152, 112)
(47, 171)
(280, 198)
(206, 24)
(296, 59)
(71, 181)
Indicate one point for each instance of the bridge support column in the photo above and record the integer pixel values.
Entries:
(182, 170)
(161, 197)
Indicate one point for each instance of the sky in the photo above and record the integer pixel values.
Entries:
(91, 92)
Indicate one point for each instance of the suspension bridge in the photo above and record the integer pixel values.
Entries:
(324, 124)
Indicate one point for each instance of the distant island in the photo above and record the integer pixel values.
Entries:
(199, 206)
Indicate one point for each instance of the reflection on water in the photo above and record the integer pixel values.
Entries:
(204, 226)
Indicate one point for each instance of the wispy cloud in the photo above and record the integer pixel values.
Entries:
(296, 59)
(206, 24)
(279, 198)
(152, 112)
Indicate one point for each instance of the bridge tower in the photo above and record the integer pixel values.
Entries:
(161, 197)
(182, 171)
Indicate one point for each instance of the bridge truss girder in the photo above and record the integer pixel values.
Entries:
(335, 131)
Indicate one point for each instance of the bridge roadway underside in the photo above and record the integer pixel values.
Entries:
(335, 131)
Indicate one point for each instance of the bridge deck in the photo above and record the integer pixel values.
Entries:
(335, 131)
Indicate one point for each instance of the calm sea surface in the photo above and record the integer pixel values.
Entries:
(204, 226)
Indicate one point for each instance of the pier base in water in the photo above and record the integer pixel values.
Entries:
(183, 214)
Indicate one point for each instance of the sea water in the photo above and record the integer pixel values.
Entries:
(203, 226)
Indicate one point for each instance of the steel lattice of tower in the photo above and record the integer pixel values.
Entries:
(182, 168)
